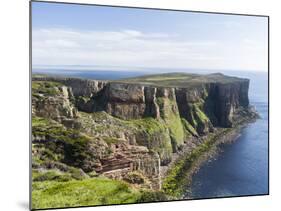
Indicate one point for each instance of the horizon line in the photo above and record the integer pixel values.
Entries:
(129, 68)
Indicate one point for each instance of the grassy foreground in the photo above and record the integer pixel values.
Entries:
(94, 191)
(89, 192)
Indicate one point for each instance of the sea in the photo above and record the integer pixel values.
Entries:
(241, 168)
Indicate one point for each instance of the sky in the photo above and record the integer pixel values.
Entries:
(112, 38)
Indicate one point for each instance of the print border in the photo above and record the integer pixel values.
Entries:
(145, 8)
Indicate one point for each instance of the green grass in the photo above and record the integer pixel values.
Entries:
(149, 131)
(155, 135)
(53, 175)
(176, 130)
(39, 122)
(110, 140)
(177, 177)
(201, 115)
(45, 87)
(44, 153)
(64, 145)
(180, 79)
(94, 191)
(135, 177)
(56, 175)
(83, 99)
(188, 127)
(55, 131)
(172, 121)
(152, 196)
(149, 124)
(198, 119)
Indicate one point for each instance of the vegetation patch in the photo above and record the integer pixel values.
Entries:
(200, 114)
(152, 196)
(149, 132)
(180, 79)
(94, 191)
(179, 176)
(111, 140)
(45, 87)
(54, 175)
(135, 177)
(176, 130)
(73, 146)
(172, 121)
(188, 128)
(149, 125)
(154, 134)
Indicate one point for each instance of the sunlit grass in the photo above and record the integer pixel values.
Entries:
(95, 191)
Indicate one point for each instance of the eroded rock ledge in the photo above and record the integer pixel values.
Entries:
(139, 122)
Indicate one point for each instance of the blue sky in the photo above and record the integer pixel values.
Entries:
(122, 38)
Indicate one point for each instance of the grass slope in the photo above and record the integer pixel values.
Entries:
(180, 79)
(94, 191)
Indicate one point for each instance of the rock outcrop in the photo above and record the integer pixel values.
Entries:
(80, 87)
(54, 101)
(139, 123)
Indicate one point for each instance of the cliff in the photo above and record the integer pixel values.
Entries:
(135, 124)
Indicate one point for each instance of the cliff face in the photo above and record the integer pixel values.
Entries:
(205, 106)
(218, 101)
(139, 122)
(80, 87)
(54, 101)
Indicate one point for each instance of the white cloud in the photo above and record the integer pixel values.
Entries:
(127, 47)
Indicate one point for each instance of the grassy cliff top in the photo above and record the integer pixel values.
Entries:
(181, 79)
(167, 79)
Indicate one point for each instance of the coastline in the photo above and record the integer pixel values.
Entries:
(177, 176)
(136, 132)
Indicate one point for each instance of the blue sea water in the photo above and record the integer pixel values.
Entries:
(242, 167)
(95, 74)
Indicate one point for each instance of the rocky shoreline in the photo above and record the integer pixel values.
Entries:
(219, 137)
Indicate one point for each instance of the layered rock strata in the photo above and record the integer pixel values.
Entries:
(140, 124)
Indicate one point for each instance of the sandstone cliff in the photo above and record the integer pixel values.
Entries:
(134, 124)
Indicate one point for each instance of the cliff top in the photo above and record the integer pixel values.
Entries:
(164, 79)
(181, 79)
